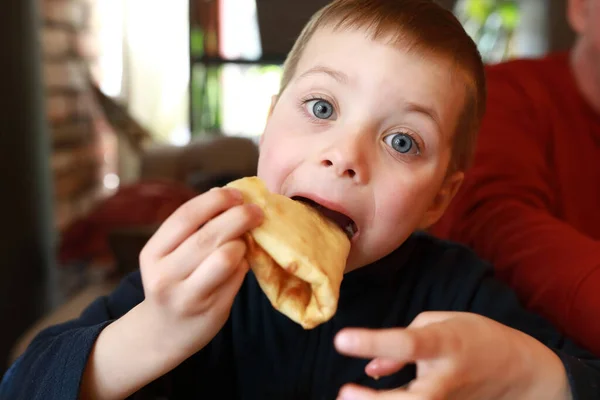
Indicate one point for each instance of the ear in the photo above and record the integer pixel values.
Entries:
(274, 99)
(442, 200)
(577, 15)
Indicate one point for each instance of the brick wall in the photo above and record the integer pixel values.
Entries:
(69, 48)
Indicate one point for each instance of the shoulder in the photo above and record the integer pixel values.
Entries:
(524, 99)
(528, 77)
(535, 68)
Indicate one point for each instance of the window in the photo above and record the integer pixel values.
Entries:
(228, 97)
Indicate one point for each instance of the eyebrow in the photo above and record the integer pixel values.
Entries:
(429, 112)
(320, 69)
(342, 78)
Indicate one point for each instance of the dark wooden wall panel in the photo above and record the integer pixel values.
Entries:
(26, 236)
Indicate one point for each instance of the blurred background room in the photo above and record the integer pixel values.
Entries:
(115, 112)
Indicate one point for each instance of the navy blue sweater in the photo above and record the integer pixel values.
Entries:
(261, 354)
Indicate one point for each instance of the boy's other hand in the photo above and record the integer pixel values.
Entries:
(458, 356)
(194, 265)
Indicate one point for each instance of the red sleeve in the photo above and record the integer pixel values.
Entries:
(504, 211)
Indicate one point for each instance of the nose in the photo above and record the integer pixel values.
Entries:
(348, 158)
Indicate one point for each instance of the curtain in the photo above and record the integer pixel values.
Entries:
(156, 69)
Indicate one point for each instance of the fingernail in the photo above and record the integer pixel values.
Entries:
(346, 394)
(373, 367)
(345, 341)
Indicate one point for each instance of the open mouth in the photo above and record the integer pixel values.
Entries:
(343, 221)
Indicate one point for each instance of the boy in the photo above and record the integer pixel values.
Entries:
(376, 118)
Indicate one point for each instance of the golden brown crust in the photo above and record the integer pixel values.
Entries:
(297, 256)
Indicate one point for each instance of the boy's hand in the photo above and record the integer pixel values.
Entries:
(194, 265)
(192, 269)
(458, 356)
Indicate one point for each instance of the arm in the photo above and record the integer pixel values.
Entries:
(484, 345)
(57, 357)
(190, 279)
(128, 354)
(505, 213)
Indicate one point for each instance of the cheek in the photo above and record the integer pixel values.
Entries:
(596, 38)
(282, 148)
(277, 159)
(270, 164)
(401, 205)
(395, 211)
(592, 27)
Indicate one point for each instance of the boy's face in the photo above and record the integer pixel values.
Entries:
(365, 128)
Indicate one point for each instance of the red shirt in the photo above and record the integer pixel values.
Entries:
(531, 202)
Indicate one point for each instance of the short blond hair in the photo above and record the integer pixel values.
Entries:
(418, 26)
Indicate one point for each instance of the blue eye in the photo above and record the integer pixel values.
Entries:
(321, 109)
(403, 143)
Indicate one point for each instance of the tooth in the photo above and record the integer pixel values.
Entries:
(349, 230)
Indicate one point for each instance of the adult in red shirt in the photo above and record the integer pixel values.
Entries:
(531, 202)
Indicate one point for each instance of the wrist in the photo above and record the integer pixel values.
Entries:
(155, 334)
(128, 354)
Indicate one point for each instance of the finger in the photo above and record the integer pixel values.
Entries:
(192, 299)
(218, 268)
(430, 317)
(232, 286)
(228, 226)
(188, 218)
(355, 392)
(403, 345)
(383, 367)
